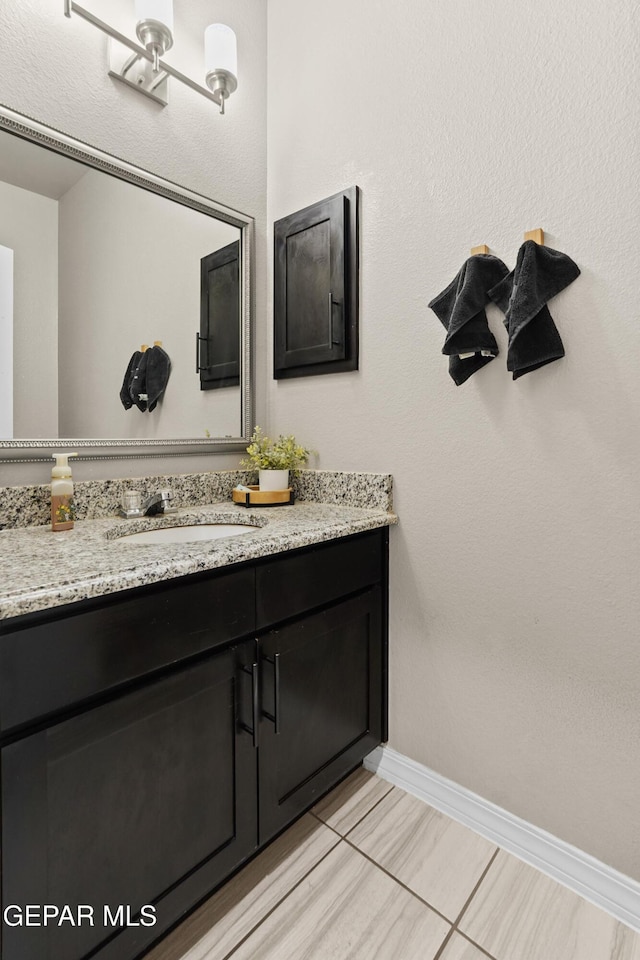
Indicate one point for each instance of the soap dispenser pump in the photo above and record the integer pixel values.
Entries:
(62, 507)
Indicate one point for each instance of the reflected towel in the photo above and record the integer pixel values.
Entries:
(539, 275)
(157, 374)
(125, 395)
(469, 343)
(138, 384)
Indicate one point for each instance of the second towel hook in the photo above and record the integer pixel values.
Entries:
(536, 235)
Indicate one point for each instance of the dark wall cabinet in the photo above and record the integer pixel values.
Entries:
(316, 288)
(153, 741)
(218, 344)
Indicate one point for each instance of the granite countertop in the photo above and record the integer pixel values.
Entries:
(51, 569)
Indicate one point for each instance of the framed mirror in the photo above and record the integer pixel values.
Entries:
(100, 261)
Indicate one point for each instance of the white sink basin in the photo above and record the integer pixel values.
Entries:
(190, 533)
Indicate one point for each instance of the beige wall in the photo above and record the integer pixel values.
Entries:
(515, 606)
(29, 226)
(55, 70)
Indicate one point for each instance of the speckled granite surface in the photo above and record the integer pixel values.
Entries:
(29, 506)
(371, 490)
(42, 569)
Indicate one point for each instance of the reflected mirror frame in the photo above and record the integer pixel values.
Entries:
(33, 451)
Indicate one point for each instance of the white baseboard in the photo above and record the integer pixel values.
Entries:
(603, 886)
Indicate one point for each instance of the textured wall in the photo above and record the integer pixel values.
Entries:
(55, 70)
(514, 597)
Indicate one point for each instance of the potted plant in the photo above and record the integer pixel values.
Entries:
(274, 459)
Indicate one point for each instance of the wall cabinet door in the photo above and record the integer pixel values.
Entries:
(219, 341)
(149, 798)
(321, 705)
(316, 288)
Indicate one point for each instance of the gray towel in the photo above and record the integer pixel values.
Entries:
(460, 309)
(539, 275)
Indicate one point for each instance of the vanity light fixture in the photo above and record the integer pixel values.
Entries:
(221, 61)
(154, 28)
(140, 65)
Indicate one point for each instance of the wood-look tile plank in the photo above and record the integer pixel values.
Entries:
(460, 949)
(434, 856)
(223, 920)
(351, 800)
(347, 908)
(519, 913)
(626, 943)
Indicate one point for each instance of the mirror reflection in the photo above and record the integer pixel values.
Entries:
(93, 271)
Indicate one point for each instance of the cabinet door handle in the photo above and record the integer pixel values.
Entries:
(199, 340)
(254, 730)
(275, 717)
(332, 303)
(276, 691)
(255, 704)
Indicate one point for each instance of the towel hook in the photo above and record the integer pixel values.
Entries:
(536, 235)
(144, 347)
(483, 248)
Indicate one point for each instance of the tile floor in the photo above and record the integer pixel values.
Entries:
(371, 873)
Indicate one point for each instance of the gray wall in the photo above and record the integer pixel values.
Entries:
(29, 226)
(55, 70)
(514, 600)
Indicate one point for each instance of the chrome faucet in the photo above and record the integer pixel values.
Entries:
(158, 503)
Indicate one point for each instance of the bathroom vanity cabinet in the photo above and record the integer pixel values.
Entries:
(155, 739)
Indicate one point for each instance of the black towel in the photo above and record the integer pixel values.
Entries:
(460, 308)
(138, 384)
(539, 275)
(157, 373)
(125, 395)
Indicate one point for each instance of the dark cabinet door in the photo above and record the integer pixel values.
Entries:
(321, 704)
(147, 799)
(219, 341)
(315, 288)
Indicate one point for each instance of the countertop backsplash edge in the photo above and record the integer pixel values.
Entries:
(27, 506)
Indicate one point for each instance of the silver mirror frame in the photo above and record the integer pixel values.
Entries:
(32, 451)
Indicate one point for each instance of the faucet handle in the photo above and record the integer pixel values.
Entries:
(131, 501)
(167, 501)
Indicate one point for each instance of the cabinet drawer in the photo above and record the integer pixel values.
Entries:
(301, 581)
(46, 666)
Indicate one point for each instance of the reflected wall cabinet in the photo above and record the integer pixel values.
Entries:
(316, 288)
(219, 340)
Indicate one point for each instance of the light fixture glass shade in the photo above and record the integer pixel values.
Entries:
(159, 10)
(220, 49)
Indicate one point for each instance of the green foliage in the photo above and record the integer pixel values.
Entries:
(281, 454)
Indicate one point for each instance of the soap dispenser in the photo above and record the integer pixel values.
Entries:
(62, 507)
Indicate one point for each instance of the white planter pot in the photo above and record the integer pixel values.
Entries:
(273, 479)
